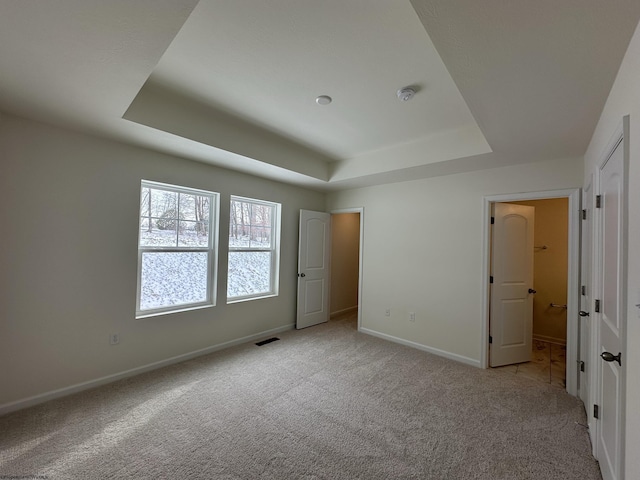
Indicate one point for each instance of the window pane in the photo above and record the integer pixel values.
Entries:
(238, 241)
(164, 204)
(187, 206)
(158, 218)
(250, 225)
(239, 224)
(152, 236)
(261, 237)
(173, 278)
(194, 207)
(249, 273)
(261, 226)
(193, 234)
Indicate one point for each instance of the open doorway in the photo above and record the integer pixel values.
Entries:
(546, 357)
(346, 254)
(557, 323)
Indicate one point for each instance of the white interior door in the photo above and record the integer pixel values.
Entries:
(511, 307)
(610, 319)
(313, 268)
(584, 322)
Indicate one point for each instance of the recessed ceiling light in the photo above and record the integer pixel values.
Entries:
(405, 94)
(323, 100)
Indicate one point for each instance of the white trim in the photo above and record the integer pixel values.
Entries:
(79, 387)
(249, 299)
(573, 283)
(626, 161)
(359, 210)
(588, 203)
(436, 351)
(171, 312)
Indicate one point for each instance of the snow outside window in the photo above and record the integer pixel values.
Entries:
(254, 234)
(176, 248)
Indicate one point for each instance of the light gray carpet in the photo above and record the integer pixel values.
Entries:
(323, 403)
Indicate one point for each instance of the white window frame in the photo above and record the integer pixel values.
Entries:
(210, 249)
(274, 249)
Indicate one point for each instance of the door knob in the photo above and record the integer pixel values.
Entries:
(582, 313)
(531, 290)
(301, 275)
(610, 357)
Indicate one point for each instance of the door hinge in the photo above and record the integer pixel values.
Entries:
(598, 201)
(596, 411)
(583, 290)
(597, 306)
(581, 364)
(493, 220)
(490, 339)
(491, 279)
(584, 214)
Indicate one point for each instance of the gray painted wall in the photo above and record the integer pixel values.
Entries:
(69, 215)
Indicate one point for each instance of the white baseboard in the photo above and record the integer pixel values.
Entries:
(441, 353)
(343, 311)
(545, 338)
(62, 392)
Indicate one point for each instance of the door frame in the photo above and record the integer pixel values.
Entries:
(573, 273)
(586, 279)
(359, 210)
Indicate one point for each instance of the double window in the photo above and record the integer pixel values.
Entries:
(176, 248)
(254, 231)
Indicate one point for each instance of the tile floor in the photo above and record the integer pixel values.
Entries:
(548, 364)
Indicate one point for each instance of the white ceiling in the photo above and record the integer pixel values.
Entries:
(233, 82)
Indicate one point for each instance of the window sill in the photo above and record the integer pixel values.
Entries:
(248, 299)
(141, 316)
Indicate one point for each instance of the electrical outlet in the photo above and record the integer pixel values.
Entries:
(387, 312)
(114, 338)
(412, 316)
